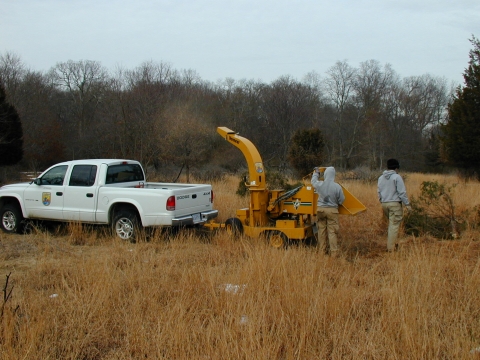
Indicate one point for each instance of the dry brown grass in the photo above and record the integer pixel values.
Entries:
(79, 294)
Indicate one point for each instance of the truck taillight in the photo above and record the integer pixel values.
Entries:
(171, 203)
(211, 197)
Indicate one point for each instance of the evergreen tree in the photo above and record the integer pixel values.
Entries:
(11, 133)
(306, 150)
(461, 140)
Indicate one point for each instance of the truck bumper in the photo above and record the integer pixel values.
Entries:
(195, 219)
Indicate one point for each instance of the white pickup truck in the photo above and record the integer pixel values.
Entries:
(105, 191)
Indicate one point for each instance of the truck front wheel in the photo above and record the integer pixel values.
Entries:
(126, 224)
(11, 219)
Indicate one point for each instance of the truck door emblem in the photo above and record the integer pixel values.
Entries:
(46, 198)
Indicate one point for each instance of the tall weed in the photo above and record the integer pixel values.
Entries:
(191, 298)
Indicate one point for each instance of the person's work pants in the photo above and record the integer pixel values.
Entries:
(394, 213)
(327, 225)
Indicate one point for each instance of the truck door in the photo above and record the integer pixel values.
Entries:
(80, 194)
(44, 197)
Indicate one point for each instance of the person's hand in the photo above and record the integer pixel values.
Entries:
(315, 169)
(409, 208)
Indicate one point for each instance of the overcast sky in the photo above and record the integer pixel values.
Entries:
(244, 39)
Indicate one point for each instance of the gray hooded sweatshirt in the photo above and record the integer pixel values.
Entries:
(391, 188)
(330, 194)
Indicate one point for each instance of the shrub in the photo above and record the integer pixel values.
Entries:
(433, 212)
(275, 180)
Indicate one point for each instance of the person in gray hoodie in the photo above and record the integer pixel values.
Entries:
(392, 194)
(330, 197)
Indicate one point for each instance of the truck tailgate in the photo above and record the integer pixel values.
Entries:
(189, 198)
(192, 200)
(193, 204)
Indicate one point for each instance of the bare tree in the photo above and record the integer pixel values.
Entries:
(149, 90)
(418, 105)
(373, 86)
(240, 103)
(12, 71)
(287, 105)
(340, 89)
(184, 137)
(36, 101)
(424, 100)
(44, 141)
(149, 73)
(84, 84)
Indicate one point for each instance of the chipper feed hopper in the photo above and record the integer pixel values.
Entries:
(276, 215)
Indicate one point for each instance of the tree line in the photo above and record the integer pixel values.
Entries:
(167, 118)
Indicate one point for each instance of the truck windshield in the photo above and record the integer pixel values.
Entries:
(124, 173)
(54, 176)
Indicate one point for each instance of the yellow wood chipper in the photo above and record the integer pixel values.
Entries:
(279, 216)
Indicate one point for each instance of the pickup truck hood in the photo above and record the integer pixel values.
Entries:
(19, 186)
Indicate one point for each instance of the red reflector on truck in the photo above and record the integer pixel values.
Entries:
(171, 203)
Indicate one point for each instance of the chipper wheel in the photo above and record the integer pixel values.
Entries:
(277, 239)
(234, 227)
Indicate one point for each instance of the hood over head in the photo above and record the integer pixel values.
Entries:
(327, 189)
(388, 173)
(329, 174)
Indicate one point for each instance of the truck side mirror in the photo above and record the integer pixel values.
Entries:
(37, 181)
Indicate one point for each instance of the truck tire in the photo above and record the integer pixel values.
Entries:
(12, 219)
(234, 227)
(126, 225)
(277, 239)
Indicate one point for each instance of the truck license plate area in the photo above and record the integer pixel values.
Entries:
(196, 218)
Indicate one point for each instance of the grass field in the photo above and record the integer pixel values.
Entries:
(79, 293)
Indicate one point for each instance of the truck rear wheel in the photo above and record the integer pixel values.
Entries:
(11, 219)
(126, 224)
(234, 227)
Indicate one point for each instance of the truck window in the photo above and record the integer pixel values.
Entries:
(83, 175)
(54, 176)
(124, 173)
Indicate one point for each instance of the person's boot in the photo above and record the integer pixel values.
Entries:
(334, 254)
